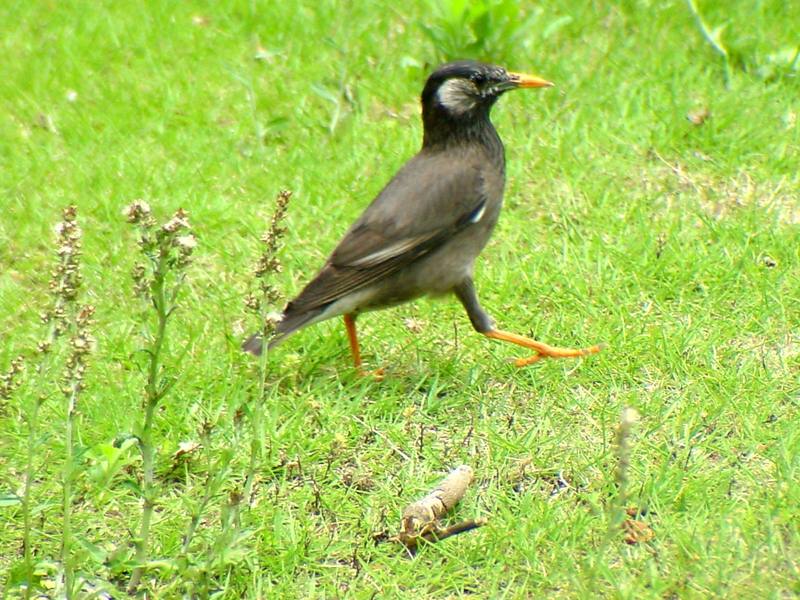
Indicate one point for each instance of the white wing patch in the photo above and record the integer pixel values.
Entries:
(390, 251)
(478, 214)
(457, 95)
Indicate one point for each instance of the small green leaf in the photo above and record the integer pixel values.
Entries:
(95, 551)
(10, 500)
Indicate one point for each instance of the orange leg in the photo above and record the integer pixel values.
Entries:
(465, 291)
(542, 350)
(352, 337)
(350, 325)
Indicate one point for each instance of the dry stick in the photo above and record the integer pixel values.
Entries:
(419, 520)
(452, 488)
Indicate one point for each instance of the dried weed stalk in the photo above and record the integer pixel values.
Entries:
(76, 322)
(166, 251)
(263, 304)
(64, 318)
(621, 517)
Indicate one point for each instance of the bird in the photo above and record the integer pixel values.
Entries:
(421, 234)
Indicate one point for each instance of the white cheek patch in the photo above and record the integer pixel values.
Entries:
(457, 95)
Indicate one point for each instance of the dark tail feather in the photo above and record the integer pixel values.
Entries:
(254, 345)
(286, 327)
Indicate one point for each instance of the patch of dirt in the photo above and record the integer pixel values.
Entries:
(722, 198)
(775, 354)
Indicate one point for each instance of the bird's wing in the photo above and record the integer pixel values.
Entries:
(431, 199)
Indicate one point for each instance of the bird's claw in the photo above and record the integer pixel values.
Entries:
(376, 374)
(528, 360)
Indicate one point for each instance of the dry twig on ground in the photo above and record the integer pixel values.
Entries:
(420, 519)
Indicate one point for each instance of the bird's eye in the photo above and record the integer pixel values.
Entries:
(478, 79)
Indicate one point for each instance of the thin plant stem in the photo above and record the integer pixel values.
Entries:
(63, 316)
(153, 395)
(66, 537)
(33, 425)
(268, 265)
(622, 445)
(257, 440)
(195, 521)
(167, 249)
(72, 380)
(217, 473)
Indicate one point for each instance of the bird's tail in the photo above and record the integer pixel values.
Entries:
(254, 345)
(289, 324)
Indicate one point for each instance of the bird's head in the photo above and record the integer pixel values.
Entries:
(467, 89)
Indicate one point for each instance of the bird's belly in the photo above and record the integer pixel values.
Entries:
(434, 274)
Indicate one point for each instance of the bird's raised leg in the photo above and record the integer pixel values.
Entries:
(542, 350)
(482, 323)
(352, 337)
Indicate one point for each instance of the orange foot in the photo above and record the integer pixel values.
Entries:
(352, 337)
(542, 350)
(376, 374)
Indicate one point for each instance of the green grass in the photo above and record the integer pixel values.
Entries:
(673, 243)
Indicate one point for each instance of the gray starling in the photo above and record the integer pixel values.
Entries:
(421, 235)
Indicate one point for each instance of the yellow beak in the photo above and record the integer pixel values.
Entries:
(528, 81)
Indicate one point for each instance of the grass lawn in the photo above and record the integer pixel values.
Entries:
(652, 204)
